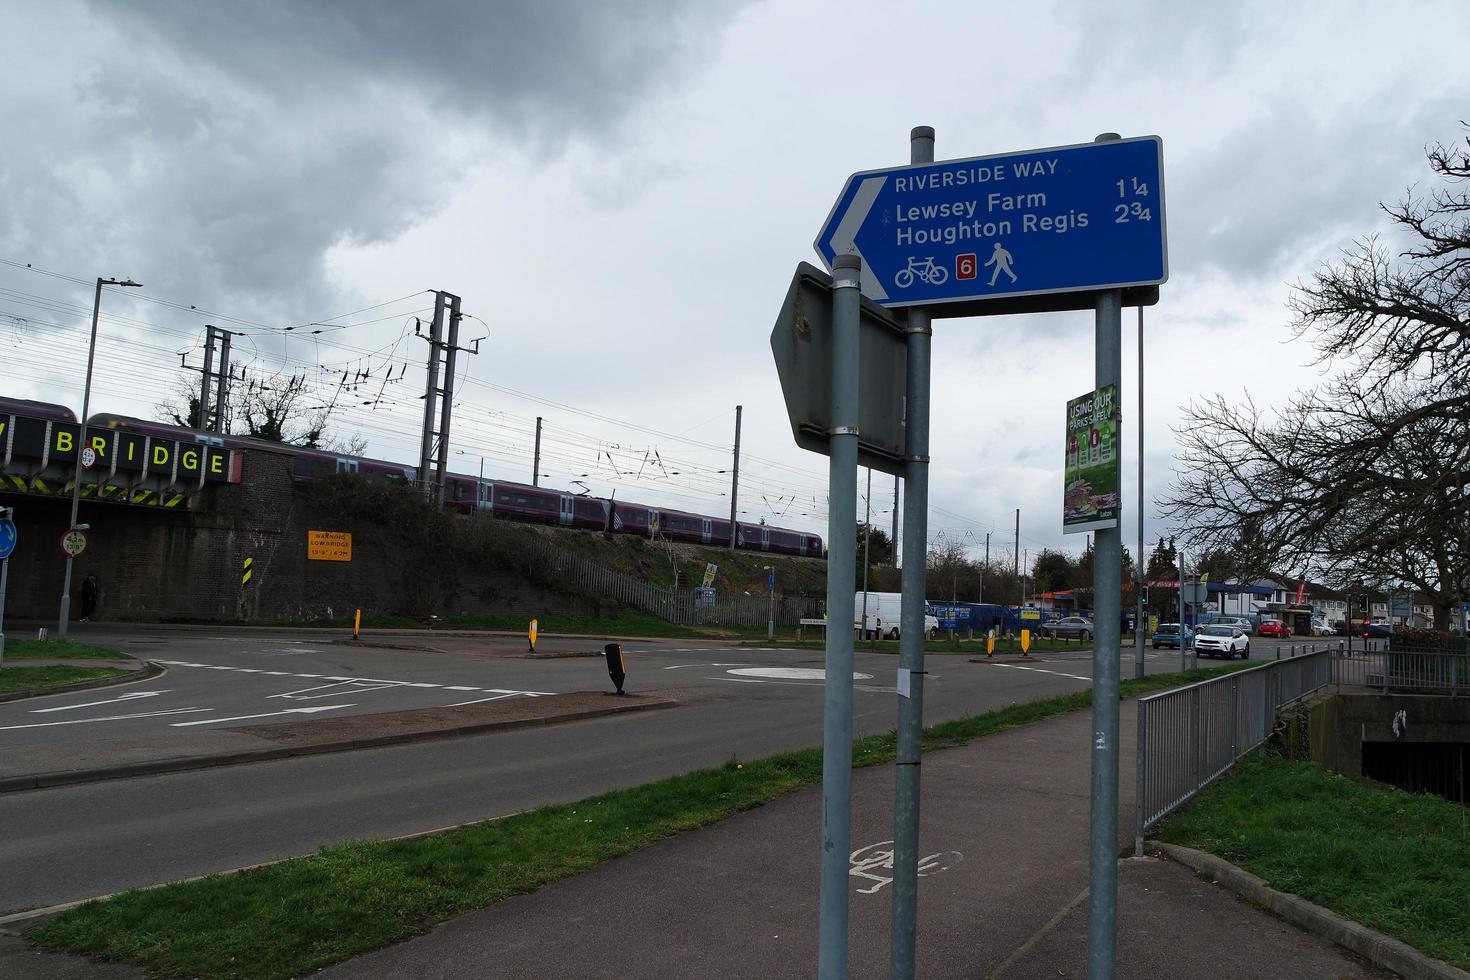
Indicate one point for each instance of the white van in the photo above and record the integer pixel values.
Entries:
(884, 609)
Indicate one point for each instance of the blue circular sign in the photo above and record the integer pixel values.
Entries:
(8, 536)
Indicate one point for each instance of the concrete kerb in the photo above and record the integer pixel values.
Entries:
(148, 671)
(1378, 949)
(14, 784)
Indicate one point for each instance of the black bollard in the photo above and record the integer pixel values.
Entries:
(615, 668)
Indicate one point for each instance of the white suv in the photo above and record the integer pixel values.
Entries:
(1222, 640)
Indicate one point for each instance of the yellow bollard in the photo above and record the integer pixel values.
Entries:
(531, 635)
(357, 624)
(1025, 643)
(990, 645)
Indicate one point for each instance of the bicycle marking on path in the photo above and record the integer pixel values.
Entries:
(866, 860)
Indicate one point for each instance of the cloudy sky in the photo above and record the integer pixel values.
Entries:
(620, 193)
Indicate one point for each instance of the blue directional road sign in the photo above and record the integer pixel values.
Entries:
(1058, 220)
(8, 537)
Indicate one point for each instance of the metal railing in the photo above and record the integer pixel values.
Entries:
(1412, 672)
(1191, 735)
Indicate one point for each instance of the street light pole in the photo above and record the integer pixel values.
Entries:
(76, 485)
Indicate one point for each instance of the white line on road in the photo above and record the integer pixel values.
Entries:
(268, 714)
(93, 704)
(680, 666)
(498, 697)
(87, 721)
(1040, 670)
(345, 685)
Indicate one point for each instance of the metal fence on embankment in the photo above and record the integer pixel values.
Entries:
(1189, 736)
(1405, 671)
(571, 572)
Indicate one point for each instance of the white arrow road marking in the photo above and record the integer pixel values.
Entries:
(346, 685)
(93, 704)
(87, 721)
(332, 690)
(268, 714)
(1040, 670)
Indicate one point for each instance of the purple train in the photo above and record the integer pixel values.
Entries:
(511, 501)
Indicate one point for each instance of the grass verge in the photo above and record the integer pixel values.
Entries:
(56, 650)
(36, 678)
(291, 918)
(1395, 862)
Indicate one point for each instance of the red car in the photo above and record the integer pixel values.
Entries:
(1276, 628)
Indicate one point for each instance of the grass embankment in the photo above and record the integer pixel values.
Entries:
(57, 650)
(1397, 863)
(291, 918)
(37, 678)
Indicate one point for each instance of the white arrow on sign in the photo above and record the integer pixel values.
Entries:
(844, 239)
(268, 714)
(93, 704)
(88, 721)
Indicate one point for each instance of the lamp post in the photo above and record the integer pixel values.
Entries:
(76, 485)
(771, 587)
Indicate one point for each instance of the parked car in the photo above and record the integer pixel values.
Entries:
(1276, 628)
(1221, 640)
(1069, 626)
(1239, 622)
(1376, 630)
(1321, 627)
(1167, 635)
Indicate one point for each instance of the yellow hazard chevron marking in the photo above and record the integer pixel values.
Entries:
(247, 571)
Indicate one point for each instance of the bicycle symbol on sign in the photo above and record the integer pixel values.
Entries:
(866, 860)
(926, 270)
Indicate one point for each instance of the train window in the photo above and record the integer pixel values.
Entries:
(346, 466)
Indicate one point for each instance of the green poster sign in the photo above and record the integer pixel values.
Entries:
(1091, 499)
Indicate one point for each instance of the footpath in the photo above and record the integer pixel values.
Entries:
(1004, 839)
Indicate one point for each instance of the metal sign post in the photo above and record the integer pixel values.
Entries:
(1107, 573)
(1064, 228)
(841, 569)
(910, 750)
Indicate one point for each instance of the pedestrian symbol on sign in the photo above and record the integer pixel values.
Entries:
(1001, 259)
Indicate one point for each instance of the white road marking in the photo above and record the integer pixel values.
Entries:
(498, 697)
(1040, 670)
(87, 721)
(357, 685)
(793, 673)
(681, 666)
(268, 714)
(93, 704)
(332, 690)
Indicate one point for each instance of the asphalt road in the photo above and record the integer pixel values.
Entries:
(75, 842)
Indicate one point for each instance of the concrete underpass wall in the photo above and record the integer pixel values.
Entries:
(1337, 726)
(188, 564)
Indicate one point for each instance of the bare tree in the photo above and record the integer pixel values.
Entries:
(277, 409)
(1368, 477)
